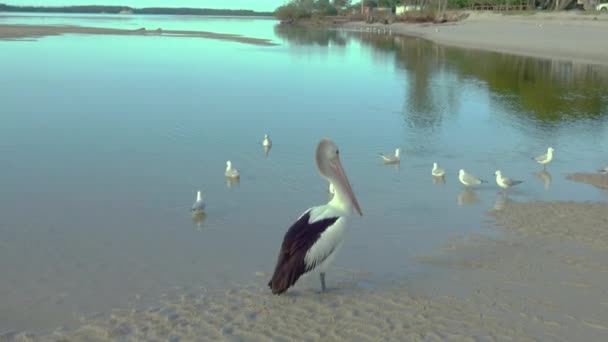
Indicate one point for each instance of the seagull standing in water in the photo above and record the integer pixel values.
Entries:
(313, 241)
(468, 179)
(505, 182)
(436, 171)
(266, 142)
(230, 172)
(388, 159)
(199, 204)
(545, 158)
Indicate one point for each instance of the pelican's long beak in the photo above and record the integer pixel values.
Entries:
(345, 184)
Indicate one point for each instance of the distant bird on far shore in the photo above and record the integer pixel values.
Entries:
(603, 170)
(230, 172)
(388, 159)
(545, 158)
(436, 171)
(505, 182)
(468, 179)
(199, 204)
(266, 142)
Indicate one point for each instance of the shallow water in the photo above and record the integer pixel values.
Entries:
(105, 139)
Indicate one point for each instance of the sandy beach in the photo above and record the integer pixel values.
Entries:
(565, 36)
(596, 179)
(540, 280)
(12, 32)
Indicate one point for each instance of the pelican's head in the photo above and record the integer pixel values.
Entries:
(199, 196)
(397, 152)
(461, 172)
(228, 165)
(435, 166)
(328, 162)
(498, 173)
(550, 150)
(265, 136)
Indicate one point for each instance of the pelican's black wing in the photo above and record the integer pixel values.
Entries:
(297, 241)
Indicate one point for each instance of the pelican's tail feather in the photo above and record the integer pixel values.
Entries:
(285, 276)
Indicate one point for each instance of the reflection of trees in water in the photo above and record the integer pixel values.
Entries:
(542, 92)
(310, 36)
(548, 90)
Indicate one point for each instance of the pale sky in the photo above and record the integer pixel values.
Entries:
(257, 5)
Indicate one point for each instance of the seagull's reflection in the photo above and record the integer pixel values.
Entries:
(198, 218)
(267, 150)
(501, 202)
(232, 182)
(545, 176)
(437, 180)
(467, 196)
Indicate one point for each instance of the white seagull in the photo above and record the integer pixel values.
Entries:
(468, 179)
(388, 159)
(545, 158)
(505, 182)
(313, 241)
(436, 171)
(230, 172)
(199, 204)
(266, 142)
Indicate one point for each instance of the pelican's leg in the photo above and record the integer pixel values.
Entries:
(322, 278)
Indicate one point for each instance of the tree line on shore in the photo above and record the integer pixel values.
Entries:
(294, 10)
(126, 9)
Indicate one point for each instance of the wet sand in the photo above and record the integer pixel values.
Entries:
(595, 179)
(542, 279)
(564, 36)
(13, 32)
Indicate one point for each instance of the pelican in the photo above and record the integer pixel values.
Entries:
(313, 241)
(198, 205)
(230, 172)
(436, 171)
(391, 159)
(266, 142)
(545, 158)
(468, 179)
(505, 182)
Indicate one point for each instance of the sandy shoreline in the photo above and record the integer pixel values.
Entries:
(12, 32)
(563, 36)
(596, 179)
(543, 280)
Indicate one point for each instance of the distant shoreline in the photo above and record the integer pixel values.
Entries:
(566, 36)
(126, 10)
(20, 32)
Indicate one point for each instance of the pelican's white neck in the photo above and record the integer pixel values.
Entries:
(199, 196)
(340, 199)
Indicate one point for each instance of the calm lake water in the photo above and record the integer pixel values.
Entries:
(104, 141)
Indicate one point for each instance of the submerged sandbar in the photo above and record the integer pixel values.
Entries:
(12, 32)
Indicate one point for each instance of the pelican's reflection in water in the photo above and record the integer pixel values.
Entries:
(230, 182)
(198, 218)
(545, 176)
(467, 196)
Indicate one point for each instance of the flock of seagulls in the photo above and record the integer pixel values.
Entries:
(470, 180)
(313, 240)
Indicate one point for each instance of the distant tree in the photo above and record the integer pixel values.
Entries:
(341, 3)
